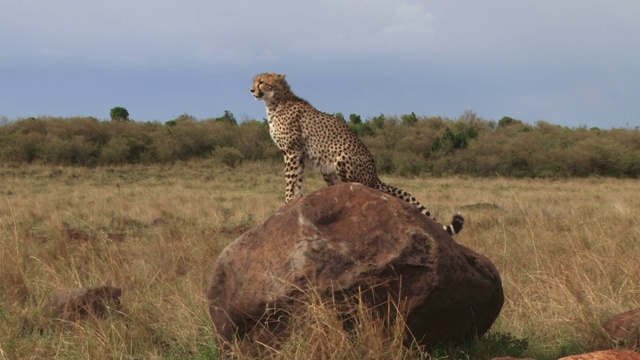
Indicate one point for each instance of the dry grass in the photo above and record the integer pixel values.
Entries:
(322, 330)
(568, 252)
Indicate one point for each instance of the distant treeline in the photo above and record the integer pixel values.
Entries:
(406, 145)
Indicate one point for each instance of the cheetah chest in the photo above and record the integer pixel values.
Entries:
(289, 139)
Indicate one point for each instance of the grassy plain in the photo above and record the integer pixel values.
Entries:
(567, 250)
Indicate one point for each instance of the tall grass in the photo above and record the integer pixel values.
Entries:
(567, 251)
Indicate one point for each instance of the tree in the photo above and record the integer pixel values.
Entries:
(227, 117)
(119, 113)
(378, 121)
(507, 120)
(355, 119)
(409, 119)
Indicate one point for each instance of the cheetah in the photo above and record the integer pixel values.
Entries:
(306, 135)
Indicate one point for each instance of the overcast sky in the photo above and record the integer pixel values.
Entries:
(574, 62)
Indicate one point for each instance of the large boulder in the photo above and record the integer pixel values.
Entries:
(340, 240)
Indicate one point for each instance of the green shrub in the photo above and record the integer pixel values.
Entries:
(362, 129)
(378, 121)
(355, 119)
(228, 117)
(409, 164)
(115, 152)
(409, 119)
(407, 145)
(254, 141)
(119, 113)
(229, 156)
(27, 148)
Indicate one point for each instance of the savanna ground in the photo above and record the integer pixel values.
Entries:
(567, 250)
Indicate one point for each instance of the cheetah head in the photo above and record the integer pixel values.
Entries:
(266, 85)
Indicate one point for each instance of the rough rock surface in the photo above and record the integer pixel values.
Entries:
(74, 304)
(606, 355)
(624, 328)
(344, 238)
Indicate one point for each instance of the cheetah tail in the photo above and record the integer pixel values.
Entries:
(456, 224)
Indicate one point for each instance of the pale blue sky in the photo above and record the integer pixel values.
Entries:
(572, 63)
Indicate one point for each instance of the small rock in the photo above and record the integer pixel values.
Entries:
(624, 328)
(78, 303)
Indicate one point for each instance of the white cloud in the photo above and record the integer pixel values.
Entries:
(378, 29)
(267, 56)
(478, 54)
(203, 31)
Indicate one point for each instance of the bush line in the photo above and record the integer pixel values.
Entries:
(406, 145)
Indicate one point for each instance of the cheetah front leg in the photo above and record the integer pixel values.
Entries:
(293, 169)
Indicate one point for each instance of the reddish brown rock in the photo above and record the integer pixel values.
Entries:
(74, 304)
(606, 355)
(624, 328)
(344, 238)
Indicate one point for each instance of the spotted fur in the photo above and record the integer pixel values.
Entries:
(306, 135)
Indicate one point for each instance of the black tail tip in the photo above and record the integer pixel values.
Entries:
(456, 224)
